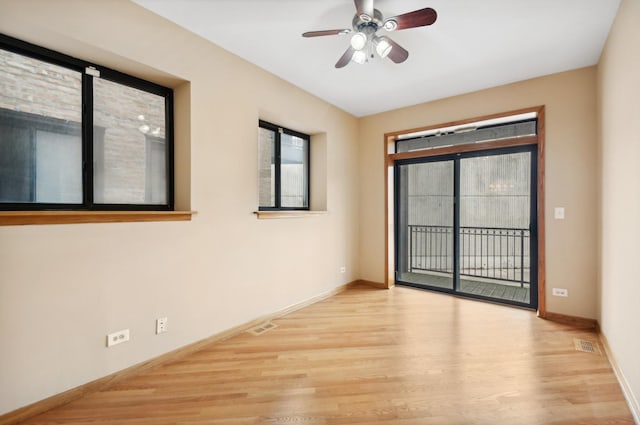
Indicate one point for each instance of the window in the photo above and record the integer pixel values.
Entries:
(490, 130)
(283, 158)
(76, 136)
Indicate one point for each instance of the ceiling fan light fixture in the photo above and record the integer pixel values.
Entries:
(365, 44)
(383, 47)
(359, 57)
(390, 25)
(359, 40)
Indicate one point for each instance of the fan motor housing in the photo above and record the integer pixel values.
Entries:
(376, 22)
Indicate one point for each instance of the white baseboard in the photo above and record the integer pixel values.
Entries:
(632, 401)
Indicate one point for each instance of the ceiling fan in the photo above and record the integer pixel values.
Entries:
(366, 23)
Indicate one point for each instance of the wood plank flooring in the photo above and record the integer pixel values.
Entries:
(368, 356)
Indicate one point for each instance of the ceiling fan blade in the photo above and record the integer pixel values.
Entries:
(345, 58)
(364, 8)
(398, 54)
(326, 32)
(417, 18)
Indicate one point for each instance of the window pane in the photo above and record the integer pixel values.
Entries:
(156, 170)
(495, 224)
(58, 180)
(293, 171)
(128, 168)
(16, 173)
(453, 138)
(425, 223)
(495, 191)
(266, 167)
(40, 131)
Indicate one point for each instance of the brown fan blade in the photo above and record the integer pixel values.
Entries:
(345, 58)
(364, 8)
(398, 54)
(326, 32)
(417, 18)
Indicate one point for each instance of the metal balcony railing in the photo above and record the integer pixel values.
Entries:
(485, 252)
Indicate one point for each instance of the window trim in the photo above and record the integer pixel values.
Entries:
(272, 214)
(87, 71)
(278, 130)
(20, 218)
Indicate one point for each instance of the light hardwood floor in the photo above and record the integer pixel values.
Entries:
(369, 356)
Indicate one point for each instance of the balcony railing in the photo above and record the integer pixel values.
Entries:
(489, 253)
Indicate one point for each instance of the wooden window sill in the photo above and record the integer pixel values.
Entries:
(287, 214)
(17, 218)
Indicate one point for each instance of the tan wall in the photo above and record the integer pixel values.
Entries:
(619, 105)
(570, 178)
(64, 287)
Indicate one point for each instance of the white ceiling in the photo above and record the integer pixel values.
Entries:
(473, 45)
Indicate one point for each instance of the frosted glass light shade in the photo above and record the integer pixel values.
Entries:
(359, 40)
(383, 47)
(359, 57)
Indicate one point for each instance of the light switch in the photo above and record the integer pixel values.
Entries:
(559, 213)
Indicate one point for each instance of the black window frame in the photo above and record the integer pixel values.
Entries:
(278, 131)
(89, 71)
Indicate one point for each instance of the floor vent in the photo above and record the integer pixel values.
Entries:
(259, 330)
(586, 346)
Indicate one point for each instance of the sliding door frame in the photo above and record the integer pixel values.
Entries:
(456, 161)
(391, 157)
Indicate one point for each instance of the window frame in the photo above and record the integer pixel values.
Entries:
(88, 72)
(278, 131)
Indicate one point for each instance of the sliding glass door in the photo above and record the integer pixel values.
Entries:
(425, 216)
(465, 224)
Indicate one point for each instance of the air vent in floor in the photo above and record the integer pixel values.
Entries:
(586, 346)
(260, 329)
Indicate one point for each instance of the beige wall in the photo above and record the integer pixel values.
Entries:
(64, 287)
(571, 149)
(619, 101)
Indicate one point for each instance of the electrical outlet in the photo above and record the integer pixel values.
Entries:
(343, 269)
(161, 325)
(560, 292)
(117, 337)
